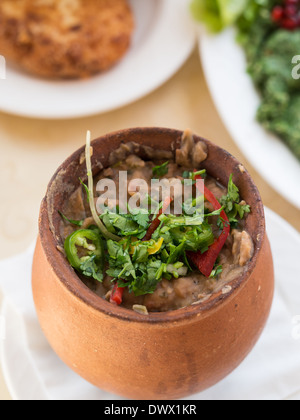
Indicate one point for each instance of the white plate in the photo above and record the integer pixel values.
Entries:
(237, 101)
(271, 372)
(164, 38)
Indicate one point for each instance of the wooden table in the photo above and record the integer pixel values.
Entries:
(31, 151)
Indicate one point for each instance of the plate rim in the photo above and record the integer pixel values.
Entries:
(203, 37)
(164, 76)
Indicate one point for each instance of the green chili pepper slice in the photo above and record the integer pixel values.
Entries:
(84, 250)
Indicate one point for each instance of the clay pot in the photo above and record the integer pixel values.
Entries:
(164, 355)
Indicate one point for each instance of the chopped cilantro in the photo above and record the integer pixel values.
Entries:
(142, 218)
(140, 264)
(232, 204)
(161, 170)
(86, 189)
(216, 271)
(73, 222)
(90, 268)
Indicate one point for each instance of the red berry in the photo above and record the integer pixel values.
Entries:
(291, 10)
(277, 13)
(290, 23)
(291, 2)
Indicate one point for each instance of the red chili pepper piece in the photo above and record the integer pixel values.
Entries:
(156, 222)
(116, 296)
(205, 262)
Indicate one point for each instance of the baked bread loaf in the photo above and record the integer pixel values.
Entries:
(65, 38)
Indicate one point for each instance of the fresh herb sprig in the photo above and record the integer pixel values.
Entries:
(78, 223)
(90, 268)
(161, 170)
(232, 204)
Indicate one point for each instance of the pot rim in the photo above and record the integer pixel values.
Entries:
(69, 279)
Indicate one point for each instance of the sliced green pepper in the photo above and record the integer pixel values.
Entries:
(90, 262)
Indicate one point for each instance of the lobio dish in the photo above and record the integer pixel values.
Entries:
(157, 354)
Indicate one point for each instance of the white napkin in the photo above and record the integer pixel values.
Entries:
(270, 372)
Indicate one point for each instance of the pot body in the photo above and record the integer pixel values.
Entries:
(161, 356)
(154, 360)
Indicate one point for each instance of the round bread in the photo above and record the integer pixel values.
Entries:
(65, 38)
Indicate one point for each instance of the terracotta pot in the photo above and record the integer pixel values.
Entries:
(163, 355)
